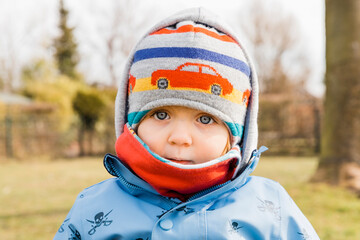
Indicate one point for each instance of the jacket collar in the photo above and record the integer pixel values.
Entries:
(173, 179)
(137, 186)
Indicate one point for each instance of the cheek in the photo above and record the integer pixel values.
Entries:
(214, 143)
(150, 135)
(217, 145)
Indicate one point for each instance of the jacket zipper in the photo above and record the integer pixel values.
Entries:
(206, 191)
(128, 185)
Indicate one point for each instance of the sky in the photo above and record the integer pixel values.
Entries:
(27, 25)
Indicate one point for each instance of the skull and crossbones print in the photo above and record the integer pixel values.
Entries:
(99, 219)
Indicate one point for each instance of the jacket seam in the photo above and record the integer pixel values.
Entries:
(81, 213)
(281, 213)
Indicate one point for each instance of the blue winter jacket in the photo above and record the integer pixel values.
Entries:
(126, 207)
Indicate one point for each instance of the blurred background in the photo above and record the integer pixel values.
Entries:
(60, 63)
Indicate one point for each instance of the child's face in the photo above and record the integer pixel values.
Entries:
(184, 135)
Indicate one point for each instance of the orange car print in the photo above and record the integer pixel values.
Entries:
(132, 81)
(246, 96)
(192, 76)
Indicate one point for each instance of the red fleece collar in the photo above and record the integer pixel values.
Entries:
(168, 180)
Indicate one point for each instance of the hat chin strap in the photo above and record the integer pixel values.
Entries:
(168, 179)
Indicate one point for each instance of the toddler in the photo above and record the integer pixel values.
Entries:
(186, 125)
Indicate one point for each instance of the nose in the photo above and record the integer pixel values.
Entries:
(180, 134)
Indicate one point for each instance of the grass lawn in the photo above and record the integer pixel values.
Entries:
(36, 196)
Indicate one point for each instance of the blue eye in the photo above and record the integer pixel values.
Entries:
(161, 115)
(206, 119)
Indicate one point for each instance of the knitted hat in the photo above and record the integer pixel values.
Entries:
(194, 65)
(190, 60)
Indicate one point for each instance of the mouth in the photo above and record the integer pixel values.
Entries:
(181, 161)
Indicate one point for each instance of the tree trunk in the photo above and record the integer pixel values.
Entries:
(340, 140)
(90, 141)
(81, 140)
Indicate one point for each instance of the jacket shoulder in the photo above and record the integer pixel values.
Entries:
(273, 199)
(263, 185)
(92, 204)
(106, 185)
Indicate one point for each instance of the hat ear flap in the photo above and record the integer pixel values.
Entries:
(121, 108)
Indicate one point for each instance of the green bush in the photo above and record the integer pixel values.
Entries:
(78, 109)
(88, 104)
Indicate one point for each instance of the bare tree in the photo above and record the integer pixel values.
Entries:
(120, 37)
(283, 65)
(20, 41)
(113, 34)
(9, 58)
(273, 37)
(340, 142)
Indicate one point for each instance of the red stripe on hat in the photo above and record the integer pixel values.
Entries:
(191, 28)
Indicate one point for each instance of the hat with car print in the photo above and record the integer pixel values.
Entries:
(190, 59)
(193, 60)
(191, 64)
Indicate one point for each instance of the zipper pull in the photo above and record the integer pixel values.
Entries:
(260, 151)
(255, 158)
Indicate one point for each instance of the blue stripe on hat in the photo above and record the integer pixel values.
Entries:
(195, 53)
